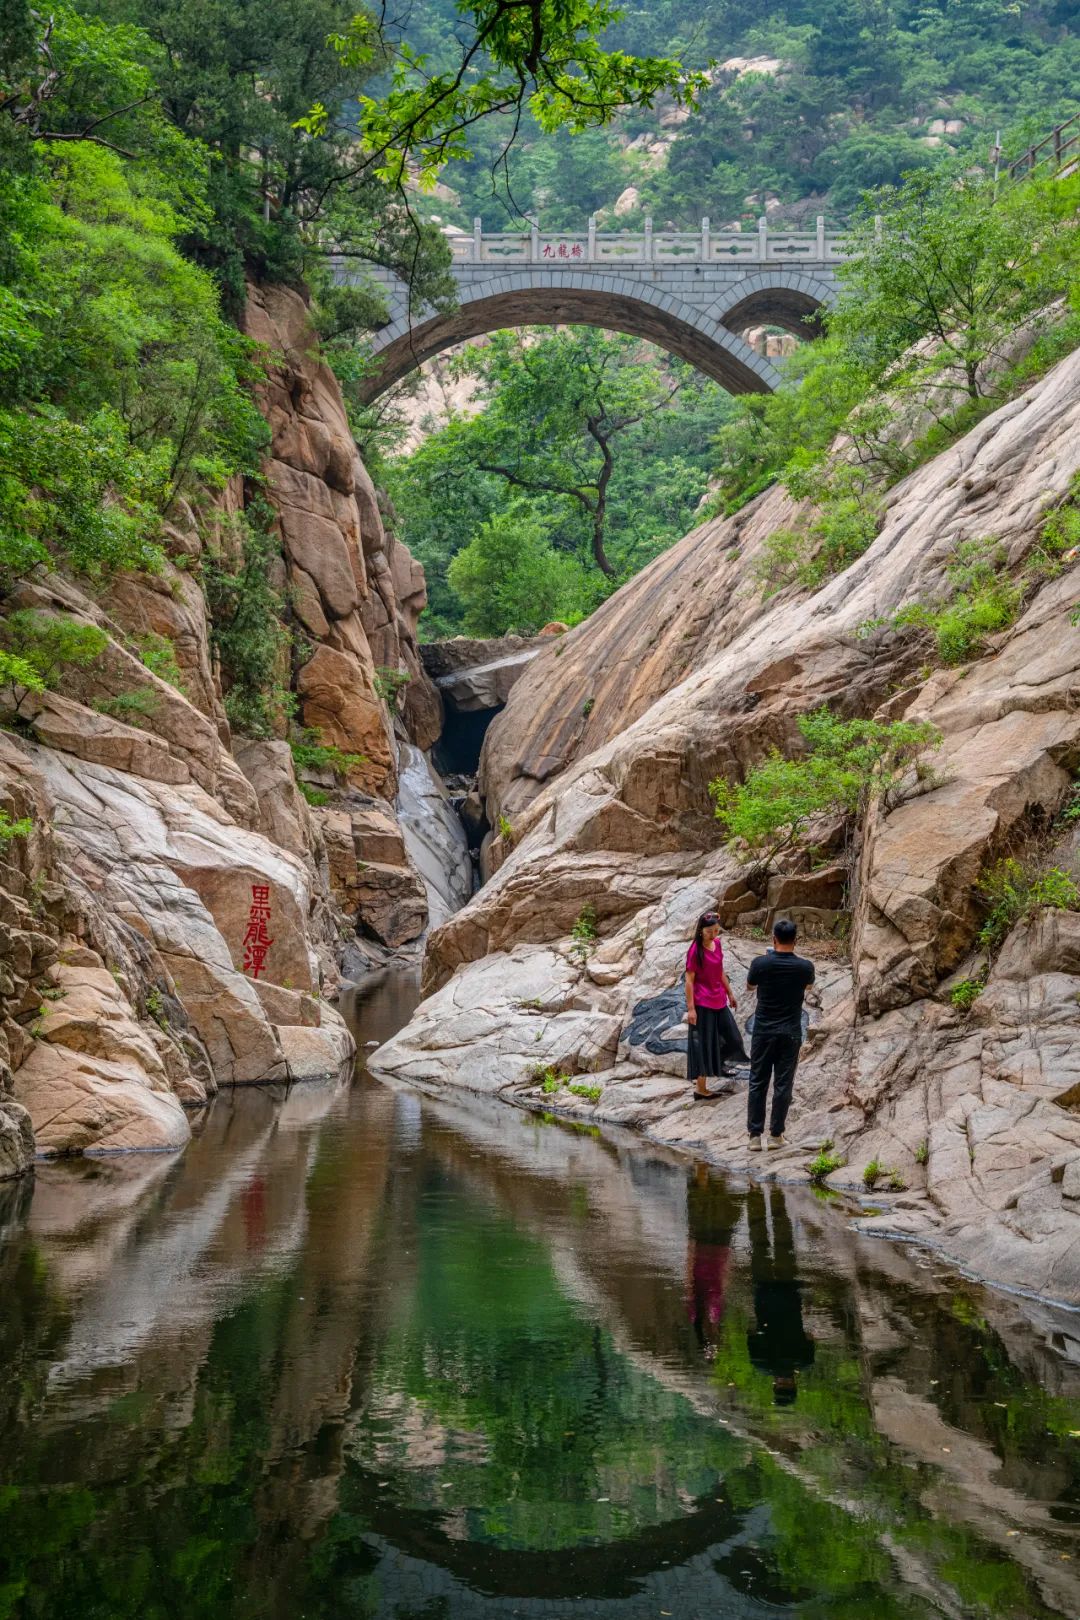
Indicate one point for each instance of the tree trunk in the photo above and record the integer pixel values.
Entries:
(600, 509)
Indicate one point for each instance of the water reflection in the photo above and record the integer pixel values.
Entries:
(361, 1354)
(779, 1344)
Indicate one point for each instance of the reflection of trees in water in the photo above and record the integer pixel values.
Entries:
(527, 1339)
(547, 1436)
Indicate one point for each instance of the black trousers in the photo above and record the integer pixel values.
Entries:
(775, 1058)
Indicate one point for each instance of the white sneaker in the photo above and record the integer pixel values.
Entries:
(777, 1141)
(754, 1144)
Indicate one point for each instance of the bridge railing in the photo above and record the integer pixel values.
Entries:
(764, 245)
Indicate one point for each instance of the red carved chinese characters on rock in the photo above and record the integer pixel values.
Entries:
(258, 939)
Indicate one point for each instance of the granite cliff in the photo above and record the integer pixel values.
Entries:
(599, 770)
(173, 910)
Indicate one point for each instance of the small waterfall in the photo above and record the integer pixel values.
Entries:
(434, 835)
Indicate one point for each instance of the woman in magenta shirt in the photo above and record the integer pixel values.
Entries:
(714, 1036)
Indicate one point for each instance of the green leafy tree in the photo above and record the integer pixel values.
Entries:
(546, 56)
(567, 422)
(41, 646)
(509, 577)
(557, 409)
(532, 439)
(236, 80)
(846, 763)
(123, 387)
(935, 296)
(247, 629)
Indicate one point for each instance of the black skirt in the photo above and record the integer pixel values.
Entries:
(713, 1041)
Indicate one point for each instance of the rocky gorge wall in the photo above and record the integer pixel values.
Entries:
(600, 766)
(175, 917)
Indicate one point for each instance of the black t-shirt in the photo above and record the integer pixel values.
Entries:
(781, 979)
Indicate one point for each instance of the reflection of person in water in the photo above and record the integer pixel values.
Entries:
(779, 1344)
(712, 1215)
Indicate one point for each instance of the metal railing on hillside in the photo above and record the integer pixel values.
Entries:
(765, 245)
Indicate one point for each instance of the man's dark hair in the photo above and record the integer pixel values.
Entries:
(784, 931)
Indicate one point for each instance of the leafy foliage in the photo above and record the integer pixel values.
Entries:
(822, 1165)
(158, 655)
(14, 827)
(549, 1079)
(45, 644)
(584, 934)
(123, 387)
(142, 703)
(247, 631)
(933, 296)
(390, 683)
(314, 796)
(510, 577)
(984, 599)
(310, 753)
(552, 62)
(846, 763)
(20, 677)
(922, 333)
(1014, 889)
(600, 444)
(849, 106)
(965, 994)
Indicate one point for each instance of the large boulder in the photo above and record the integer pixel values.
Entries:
(322, 1052)
(341, 704)
(284, 815)
(483, 686)
(371, 875)
(391, 902)
(94, 1080)
(169, 607)
(16, 1139)
(514, 1015)
(170, 864)
(171, 739)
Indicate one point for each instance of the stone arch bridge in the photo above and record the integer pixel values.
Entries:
(692, 293)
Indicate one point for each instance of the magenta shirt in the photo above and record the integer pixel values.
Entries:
(708, 982)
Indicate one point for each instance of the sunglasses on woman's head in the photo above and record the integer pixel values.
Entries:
(710, 920)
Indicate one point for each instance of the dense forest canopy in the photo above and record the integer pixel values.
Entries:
(841, 96)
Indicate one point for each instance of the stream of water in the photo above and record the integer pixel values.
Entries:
(358, 1353)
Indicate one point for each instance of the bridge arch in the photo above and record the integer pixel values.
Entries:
(789, 299)
(560, 298)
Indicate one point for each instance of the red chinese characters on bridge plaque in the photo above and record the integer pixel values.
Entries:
(565, 250)
(258, 939)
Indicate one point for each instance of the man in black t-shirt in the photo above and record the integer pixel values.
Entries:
(781, 979)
